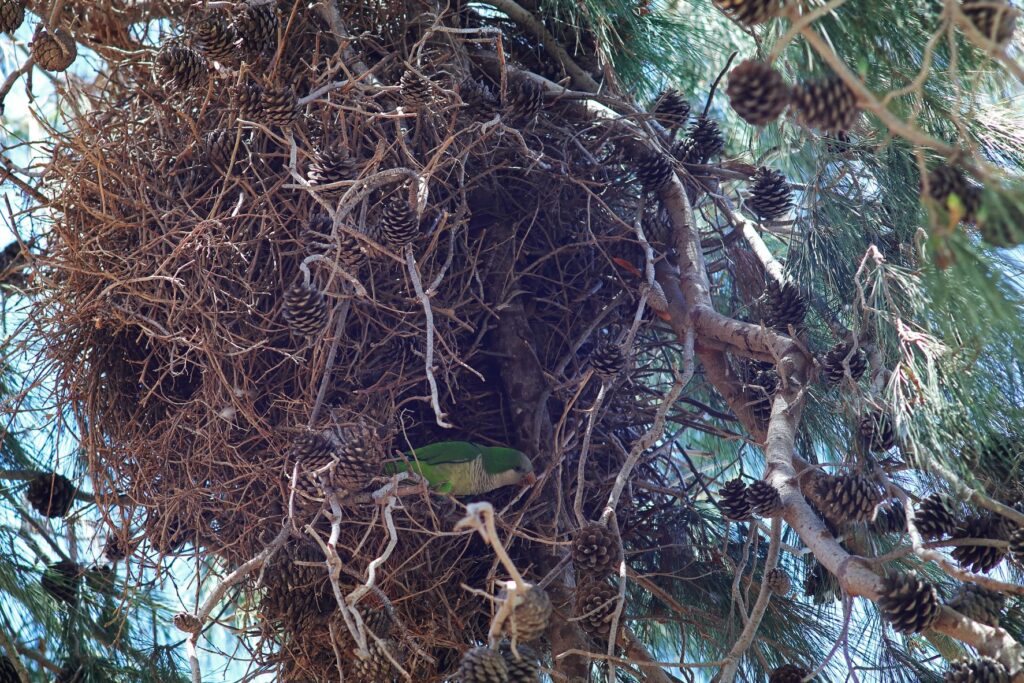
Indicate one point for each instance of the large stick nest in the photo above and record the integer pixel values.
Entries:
(165, 274)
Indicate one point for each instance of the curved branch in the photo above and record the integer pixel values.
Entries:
(519, 14)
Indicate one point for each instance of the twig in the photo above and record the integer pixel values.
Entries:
(581, 79)
(718, 79)
(620, 600)
(13, 77)
(480, 517)
(657, 428)
(732, 660)
(648, 663)
(581, 463)
(339, 330)
(417, 283)
(895, 124)
(983, 41)
(243, 571)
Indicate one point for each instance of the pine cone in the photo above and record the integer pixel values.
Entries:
(12, 13)
(786, 306)
(778, 582)
(908, 602)
(828, 105)
(315, 457)
(890, 519)
(980, 558)
(356, 450)
(843, 352)
(100, 578)
(770, 197)
(8, 672)
(279, 106)
(760, 384)
(417, 91)
(523, 669)
(936, 516)
(840, 144)
(525, 100)
(977, 670)
(331, 165)
(51, 495)
(655, 171)
(607, 360)
(298, 588)
(1017, 546)
(996, 20)
(479, 98)
(62, 580)
(757, 92)
(376, 667)
(348, 251)
(764, 499)
(848, 497)
(530, 616)
(257, 25)
(246, 100)
(53, 51)
(398, 223)
(876, 432)
(788, 673)
(749, 12)
(181, 66)
(187, 622)
(483, 665)
(980, 604)
(218, 146)
(216, 38)
(595, 605)
(732, 501)
(821, 584)
(705, 141)
(944, 181)
(305, 310)
(671, 109)
(116, 548)
(595, 550)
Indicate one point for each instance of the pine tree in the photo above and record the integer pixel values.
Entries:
(550, 201)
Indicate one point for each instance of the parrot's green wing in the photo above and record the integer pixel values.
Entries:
(430, 461)
(447, 452)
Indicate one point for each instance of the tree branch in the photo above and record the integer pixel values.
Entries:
(517, 13)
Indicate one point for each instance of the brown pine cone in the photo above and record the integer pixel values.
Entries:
(187, 622)
(595, 550)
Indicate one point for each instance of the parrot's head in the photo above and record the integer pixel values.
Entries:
(509, 466)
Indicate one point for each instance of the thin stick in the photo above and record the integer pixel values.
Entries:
(480, 516)
(339, 330)
(620, 600)
(581, 463)
(417, 283)
(732, 660)
(657, 428)
(714, 86)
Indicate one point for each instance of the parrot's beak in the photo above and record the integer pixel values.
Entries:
(530, 479)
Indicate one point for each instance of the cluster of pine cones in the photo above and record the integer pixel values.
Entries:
(513, 661)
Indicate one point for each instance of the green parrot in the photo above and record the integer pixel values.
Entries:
(462, 468)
